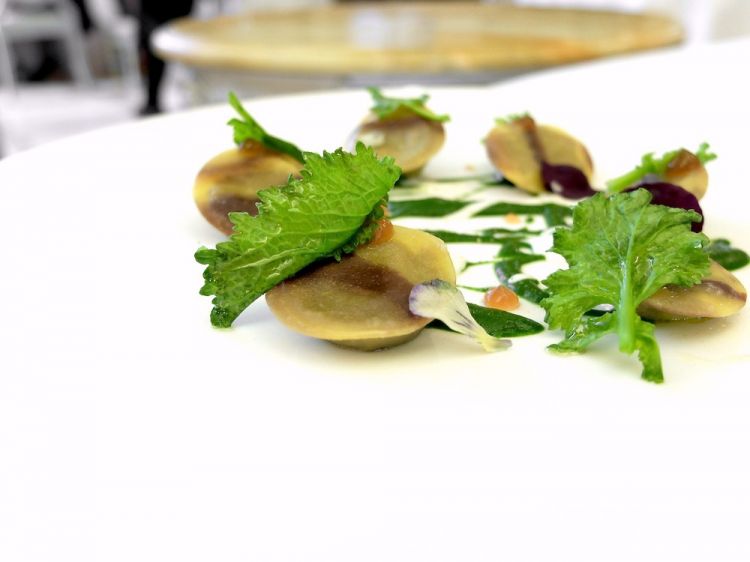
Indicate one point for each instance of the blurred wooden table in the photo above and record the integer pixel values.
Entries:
(453, 40)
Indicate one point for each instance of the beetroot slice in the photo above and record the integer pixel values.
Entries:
(568, 181)
(671, 195)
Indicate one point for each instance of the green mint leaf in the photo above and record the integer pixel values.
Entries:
(620, 251)
(325, 213)
(385, 106)
(248, 129)
(651, 165)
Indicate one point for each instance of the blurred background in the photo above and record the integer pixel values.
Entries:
(69, 66)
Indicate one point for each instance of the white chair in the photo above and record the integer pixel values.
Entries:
(120, 31)
(42, 20)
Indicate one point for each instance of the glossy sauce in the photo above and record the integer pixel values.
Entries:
(501, 298)
(384, 232)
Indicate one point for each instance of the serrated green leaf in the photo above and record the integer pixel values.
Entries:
(329, 211)
(620, 251)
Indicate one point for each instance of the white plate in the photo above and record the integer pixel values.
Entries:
(132, 430)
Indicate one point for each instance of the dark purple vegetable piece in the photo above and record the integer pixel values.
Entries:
(671, 195)
(568, 181)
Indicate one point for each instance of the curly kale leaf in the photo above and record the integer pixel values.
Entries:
(620, 251)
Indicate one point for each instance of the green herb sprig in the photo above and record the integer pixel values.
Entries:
(651, 165)
(385, 106)
(247, 128)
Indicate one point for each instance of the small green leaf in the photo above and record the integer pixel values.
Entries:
(248, 129)
(650, 165)
(385, 106)
(704, 154)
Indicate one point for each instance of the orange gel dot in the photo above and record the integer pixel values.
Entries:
(512, 218)
(383, 233)
(501, 298)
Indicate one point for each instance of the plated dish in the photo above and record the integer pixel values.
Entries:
(323, 248)
(133, 426)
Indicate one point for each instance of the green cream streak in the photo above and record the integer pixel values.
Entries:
(499, 323)
(513, 254)
(509, 261)
(553, 214)
(727, 256)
